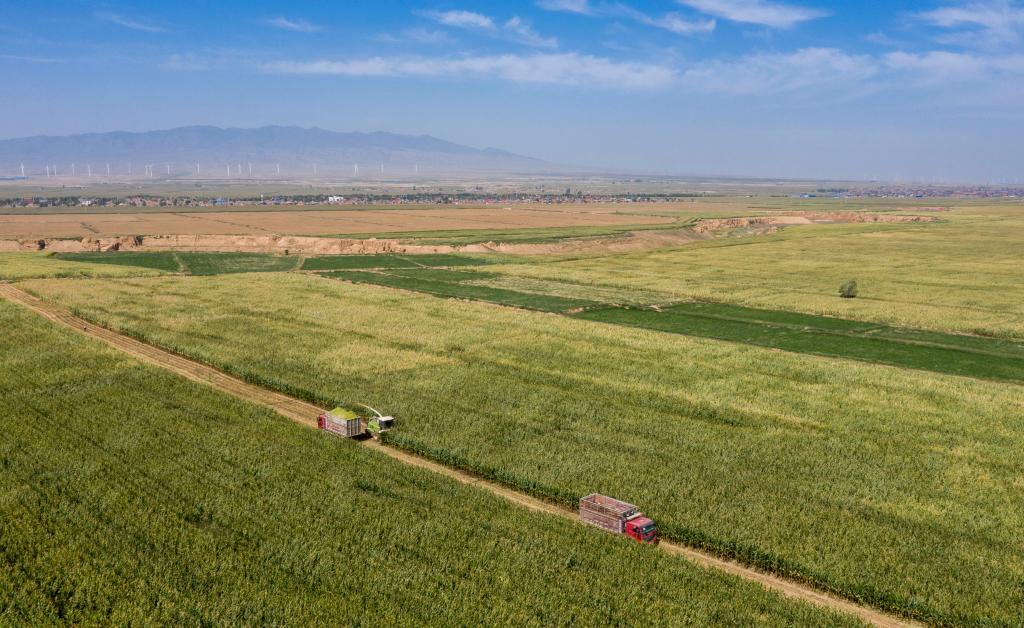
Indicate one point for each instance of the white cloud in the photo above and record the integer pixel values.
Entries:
(567, 6)
(416, 36)
(296, 25)
(772, 72)
(515, 28)
(670, 21)
(130, 23)
(763, 12)
(461, 19)
(1000, 18)
(677, 24)
(561, 69)
(942, 65)
(524, 33)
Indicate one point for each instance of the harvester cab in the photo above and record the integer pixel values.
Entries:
(379, 423)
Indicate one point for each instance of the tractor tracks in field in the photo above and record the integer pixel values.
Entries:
(306, 413)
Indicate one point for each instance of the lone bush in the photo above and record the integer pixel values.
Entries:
(849, 289)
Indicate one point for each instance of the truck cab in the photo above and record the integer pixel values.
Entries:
(642, 529)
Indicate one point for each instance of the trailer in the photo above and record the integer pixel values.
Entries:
(348, 424)
(617, 517)
(342, 422)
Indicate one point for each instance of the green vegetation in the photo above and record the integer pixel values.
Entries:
(890, 486)
(363, 262)
(931, 351)
(220, 263)
(423, 283)
(528, 235)
(131, 496)
(961, 275)
(160, 261)
(29, 264)
(989, 358)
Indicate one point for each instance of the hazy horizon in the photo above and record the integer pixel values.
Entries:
(898, 91)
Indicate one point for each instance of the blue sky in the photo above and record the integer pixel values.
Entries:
(929, 90)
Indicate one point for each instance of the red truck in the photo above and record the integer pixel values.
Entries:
(617, 517)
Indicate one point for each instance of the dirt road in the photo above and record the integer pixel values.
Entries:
(306, 413)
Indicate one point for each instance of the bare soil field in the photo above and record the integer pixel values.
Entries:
(302, 231)
(314, 222)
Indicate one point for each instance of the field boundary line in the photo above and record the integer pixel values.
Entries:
(305, 413)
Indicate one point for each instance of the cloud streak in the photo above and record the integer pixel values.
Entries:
(761, 12)
(130, 23)
(560, 69)
(1001, 19)
(514, 29)
(567, 6)
(780, 72)
(294, 25)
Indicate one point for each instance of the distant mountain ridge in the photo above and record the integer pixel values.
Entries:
(295, 150)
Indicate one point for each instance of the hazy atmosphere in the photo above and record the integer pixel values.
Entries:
(928, 91)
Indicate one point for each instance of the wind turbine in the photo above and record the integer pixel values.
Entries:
(47, 171)
(197, 169)
(168, 169)
(228, 167)
(278, 169)
(108, 170)
(88, 167)
(314, 170)
(22, 171)
(250, 169)
(72, 168)
(355, 170)
(382, 168)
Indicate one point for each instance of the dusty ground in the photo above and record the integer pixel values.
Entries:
(315, 222)
(313, 245)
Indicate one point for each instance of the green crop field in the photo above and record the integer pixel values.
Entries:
(160, 261)
(131, 496)
(890, 486)
(956, 354)
(961, 275)
(362, 262)
(24, 265)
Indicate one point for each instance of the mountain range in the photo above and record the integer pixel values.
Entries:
(231, 152)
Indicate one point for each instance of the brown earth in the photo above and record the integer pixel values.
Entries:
(311, 245)
(314, 222)
(306, 413)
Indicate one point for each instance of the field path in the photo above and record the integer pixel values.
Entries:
(306, 413)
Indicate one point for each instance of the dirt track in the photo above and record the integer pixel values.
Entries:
(306, 414)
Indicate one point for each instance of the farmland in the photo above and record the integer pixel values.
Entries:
(22, 265)
(203, 509)
(558, 375)
(796, 463)
(961, 275)
(325, 220)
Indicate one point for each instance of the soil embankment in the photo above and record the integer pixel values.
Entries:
(316, 245)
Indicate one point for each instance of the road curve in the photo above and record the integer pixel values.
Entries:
(306, 413)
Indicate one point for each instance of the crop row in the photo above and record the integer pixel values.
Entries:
(883, 484)
(131, 496)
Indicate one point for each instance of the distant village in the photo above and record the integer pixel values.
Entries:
(902, 191)
(146, 200)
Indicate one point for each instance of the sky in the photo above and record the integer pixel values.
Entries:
(863, 89)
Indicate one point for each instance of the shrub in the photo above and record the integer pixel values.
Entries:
(849, 289)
